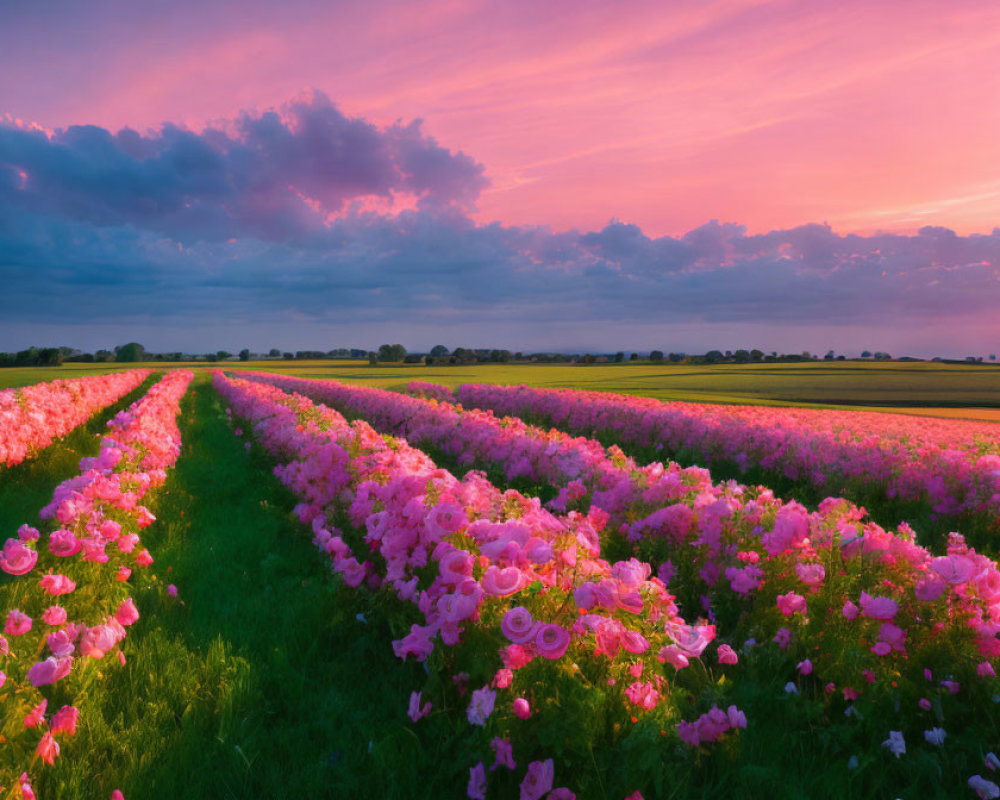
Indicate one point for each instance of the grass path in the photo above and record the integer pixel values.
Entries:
(263, 683)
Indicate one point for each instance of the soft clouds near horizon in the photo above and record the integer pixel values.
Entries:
(302, 224)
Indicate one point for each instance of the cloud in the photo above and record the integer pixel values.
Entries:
(275, 175)
(261, 221)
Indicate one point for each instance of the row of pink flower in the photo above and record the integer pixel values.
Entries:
(952, 464)
(777, 555)
(32, 417)
(468, 555)
(69, 615)
(715, 528)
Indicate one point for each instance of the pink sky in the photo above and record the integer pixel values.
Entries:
(868, 116)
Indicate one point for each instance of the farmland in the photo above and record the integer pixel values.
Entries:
(324, 565)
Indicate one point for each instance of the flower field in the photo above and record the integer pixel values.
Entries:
(542, 614)
(951, 465)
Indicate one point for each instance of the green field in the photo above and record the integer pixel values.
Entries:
(970, 391)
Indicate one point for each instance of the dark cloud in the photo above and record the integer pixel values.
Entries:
(276, 175)
(258, 223)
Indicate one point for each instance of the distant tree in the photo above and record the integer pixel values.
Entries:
(741, 356)
(656, 355)
(866, 353)
(428, 359)
(439, 350)
(519, 356)
(713, 357)
(274, 352)
(372, 358)
(358, 353)
(588, 359)
(500, 356)
(133, 351)
(829, 355)
(244, 354)
(50, 357)
(288, 356)
(223, 355)
(176, 356)
(633, 357)
(619, 357)
(882, 357)
(729, 354)
(675, 358)
(993, 356)
(391, 352)
(211, 356)
(756, 355)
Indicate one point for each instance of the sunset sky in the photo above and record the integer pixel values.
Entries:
(556, 175)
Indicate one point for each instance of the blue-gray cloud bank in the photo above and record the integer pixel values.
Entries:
(302, 227)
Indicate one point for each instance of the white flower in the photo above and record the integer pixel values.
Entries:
(935, 736)
(895, 743)
(986, 789)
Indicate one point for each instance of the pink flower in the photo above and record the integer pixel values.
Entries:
(521, 708)
(96, 641)
(36, 715)
(783, 637)
(924, 703)
(123, 574)
(54, 615)
(952, 686)
(16, 559)
(562, 793)
(49, 671)
(117, 795)
(128, 542)
(985, 670)
(481, 707)
(517, 625)
(416, 711)
(930, 588)
(127, 613)
(503, 679)
(727, 655)
(64, 720)
(63, 543)
(551, 641)
(673, 655)
(691, 639)
(26, 533)
(144, 559)
(171, 590)
(791, 603)
(955, 569)
(57, 584)
(643, 695)
(804, 667)
(17, 623)
(477, 782)
(737, 719)
(502, 582)
(810, 574)
(48, 748)
(60, 643)
(538, 781)
(878, 607)
(504, 754)
(850, 611)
